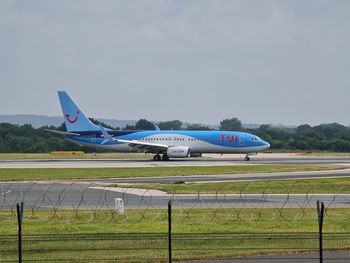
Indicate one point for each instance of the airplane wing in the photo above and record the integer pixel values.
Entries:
(145, 146)
(137, 145)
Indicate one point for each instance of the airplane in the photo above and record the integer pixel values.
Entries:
(164, 144)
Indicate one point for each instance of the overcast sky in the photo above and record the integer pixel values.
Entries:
(198, 61)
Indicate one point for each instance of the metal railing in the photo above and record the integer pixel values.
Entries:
(153, 247)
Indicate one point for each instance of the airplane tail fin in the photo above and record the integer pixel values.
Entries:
(74, 118)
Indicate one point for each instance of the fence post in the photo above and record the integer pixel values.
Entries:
(320, 215)
(20, 220)
(169, 231)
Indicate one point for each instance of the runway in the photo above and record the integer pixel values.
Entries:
(211, 160)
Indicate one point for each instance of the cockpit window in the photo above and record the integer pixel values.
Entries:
(254, 138)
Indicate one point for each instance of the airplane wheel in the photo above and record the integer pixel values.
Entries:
(156, 157)
(165, 157)
(246, 158)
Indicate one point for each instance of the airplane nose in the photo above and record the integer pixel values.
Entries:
(267, 145)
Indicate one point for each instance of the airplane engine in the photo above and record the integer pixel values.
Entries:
(178, 152)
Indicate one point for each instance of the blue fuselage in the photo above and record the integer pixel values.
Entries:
(197, 141)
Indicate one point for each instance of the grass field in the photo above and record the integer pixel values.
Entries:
(14, 174)
(264, 220)
(310, 186)
(196, 234)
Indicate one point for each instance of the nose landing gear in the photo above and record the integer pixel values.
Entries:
(247, 158)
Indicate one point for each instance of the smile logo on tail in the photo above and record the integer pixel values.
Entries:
(74, 120)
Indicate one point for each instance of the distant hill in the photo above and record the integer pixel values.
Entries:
(38, 121)
(35, 120)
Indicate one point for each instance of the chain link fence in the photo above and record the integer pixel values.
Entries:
(88, 199)
(74, 203)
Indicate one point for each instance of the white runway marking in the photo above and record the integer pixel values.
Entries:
(132, 191)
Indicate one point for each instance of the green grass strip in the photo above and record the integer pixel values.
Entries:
(262, 220)
(141, 234)
(14, 174)
(301, 186)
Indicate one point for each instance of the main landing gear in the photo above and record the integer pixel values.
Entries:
(157, 157)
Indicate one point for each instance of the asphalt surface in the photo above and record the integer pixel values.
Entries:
(93, 196)
(100, 163)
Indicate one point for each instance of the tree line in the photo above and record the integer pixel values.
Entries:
(323, 137)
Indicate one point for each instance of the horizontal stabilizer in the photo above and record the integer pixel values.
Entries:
(63, 132)
(106, 135)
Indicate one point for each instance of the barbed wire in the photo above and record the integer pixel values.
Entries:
(97, 202)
